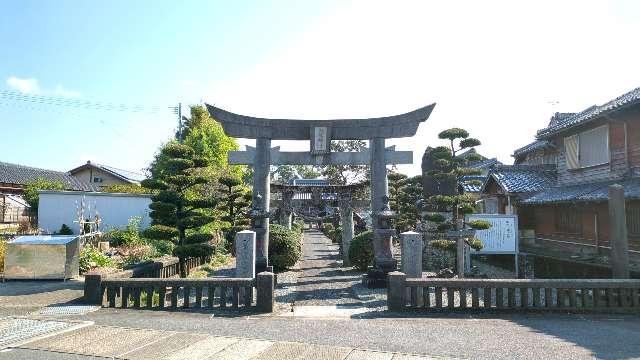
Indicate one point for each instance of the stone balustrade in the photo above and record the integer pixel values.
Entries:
(609, 295)
(171, 294)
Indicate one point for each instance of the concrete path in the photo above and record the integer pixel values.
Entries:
(322, 281)
(82, 341)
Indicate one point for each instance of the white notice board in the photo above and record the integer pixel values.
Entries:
(501, 237)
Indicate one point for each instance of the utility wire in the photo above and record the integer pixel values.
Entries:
(9, 97)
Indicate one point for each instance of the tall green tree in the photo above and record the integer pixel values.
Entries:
(285, 173)
(178, 211)
(207, 139)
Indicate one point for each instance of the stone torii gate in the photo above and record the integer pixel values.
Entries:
(320, 133)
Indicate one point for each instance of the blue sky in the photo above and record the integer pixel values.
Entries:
(498, 68)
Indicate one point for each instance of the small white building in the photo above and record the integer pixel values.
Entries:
(115, 209)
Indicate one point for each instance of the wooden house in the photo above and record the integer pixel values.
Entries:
(99, 175)
(590, 150)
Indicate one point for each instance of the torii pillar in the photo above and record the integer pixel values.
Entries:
(260, 201)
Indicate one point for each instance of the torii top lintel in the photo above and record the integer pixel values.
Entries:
(396, 126)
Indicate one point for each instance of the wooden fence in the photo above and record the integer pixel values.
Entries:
(521, 294)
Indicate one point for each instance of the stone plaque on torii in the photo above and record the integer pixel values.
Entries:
(320, 133)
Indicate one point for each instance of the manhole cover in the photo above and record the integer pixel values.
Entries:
(67, 310)
(15, 331)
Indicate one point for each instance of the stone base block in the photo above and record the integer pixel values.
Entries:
(375, 279)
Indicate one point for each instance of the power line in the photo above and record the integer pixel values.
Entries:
(10, 97)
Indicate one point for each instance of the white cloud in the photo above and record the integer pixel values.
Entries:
(31, 86)
(490, 66)
(25, 86)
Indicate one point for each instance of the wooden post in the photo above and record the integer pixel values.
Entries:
(618, 233)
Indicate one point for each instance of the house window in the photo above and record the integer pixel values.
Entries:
(588, 148)
(633, 219)
(568, 220)
(97, 179)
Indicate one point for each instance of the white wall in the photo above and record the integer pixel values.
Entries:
(61, 207)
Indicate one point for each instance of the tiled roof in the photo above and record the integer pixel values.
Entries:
(591, 113)
(125, 175)
(310, 182)
(522, 178)
(472, 188)
(484, 164)
(536, 145)
(20, 175)
(584, 192)
(129, 175)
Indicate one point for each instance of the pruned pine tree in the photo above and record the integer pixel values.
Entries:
(177, 211)
(235, 204)
(449, 166)
(408, 199)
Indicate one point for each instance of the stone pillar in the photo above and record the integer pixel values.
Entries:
(396, 291)
(265, 282)
(411, 245)
(383, 255)
(346, 223)
(379, 183)
(618, 233)
(261, 198)
(460, 244)
(246, 254)
(285, 210)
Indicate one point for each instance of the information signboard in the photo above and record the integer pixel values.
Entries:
(500, 238)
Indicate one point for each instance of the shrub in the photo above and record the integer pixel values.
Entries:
(284, 247)
(161, 247)
(91, 257)
(298, 226)
(128, 236)
(361, 250)
(336, 235)
(65, 230)
(327, 229)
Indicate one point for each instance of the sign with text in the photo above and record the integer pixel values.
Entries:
(501, 237)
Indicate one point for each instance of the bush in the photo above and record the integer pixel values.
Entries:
(336, 235)
(91, 257)
(361, 250)
(284, 247)
(298, 226)
(65, 230)
(126, 237)
(327, 229)
(161, 247)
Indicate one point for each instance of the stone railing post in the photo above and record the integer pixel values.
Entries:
(264, 284)
(411, 245)
(618, 233)
(395, 291)
(246, 254)
(93, 289)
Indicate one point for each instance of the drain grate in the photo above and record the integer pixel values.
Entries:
(67, 310)
(14, 331)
